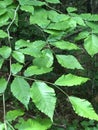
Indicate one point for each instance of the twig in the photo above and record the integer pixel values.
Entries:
(32, 79)
(9, 40)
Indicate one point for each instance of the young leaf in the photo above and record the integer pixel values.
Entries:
(18, 56)
(34, 124)
(91, 44)
(70, 80)
(71, 9)
(53, 1)
(68, 61)
(42, 95)
(3, 85)
(83, 108)
(64, 45)
(21, 90)
(35, 70)
(5, 51)
(15, 68)
(13, 114)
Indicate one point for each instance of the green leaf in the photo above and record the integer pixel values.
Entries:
(15, 68)
(91, 44)
(56, 17)
(8, 2)
(34, 124)
(13, 114)
(70, 80)
(28, 8)
(33, 2)
(2, 126)
(35, 70)
(3, 34)
(18, 56)
(71, 9)
(21, 44)
(1, 62)
(59, 25)
(33, 49)
(21, 90)
(2, 11)
(5, 51)
(45, 60)
(64, 45)
(4, 19)
(68, 61)
(79, 20)
(53, 1)
(82, 35)
(40, 18)
(83, 108)
(3, 85)
(42, 95)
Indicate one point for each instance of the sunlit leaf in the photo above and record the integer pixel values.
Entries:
(5, 51)
(83, 108)
(21, 90)
(70, 80)
(68, 61)
(35, 70)
(42, 95)
(18, 56)
(91, 44)
(15, 68)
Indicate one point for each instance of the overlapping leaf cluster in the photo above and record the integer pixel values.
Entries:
(55, 27)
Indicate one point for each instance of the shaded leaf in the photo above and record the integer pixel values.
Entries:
(3, 85)
(21, 90)
(68, 61)
(70, 80)
(1, 62)
(3, 34)
(42, 95)
(83, 108)
(34, 124)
